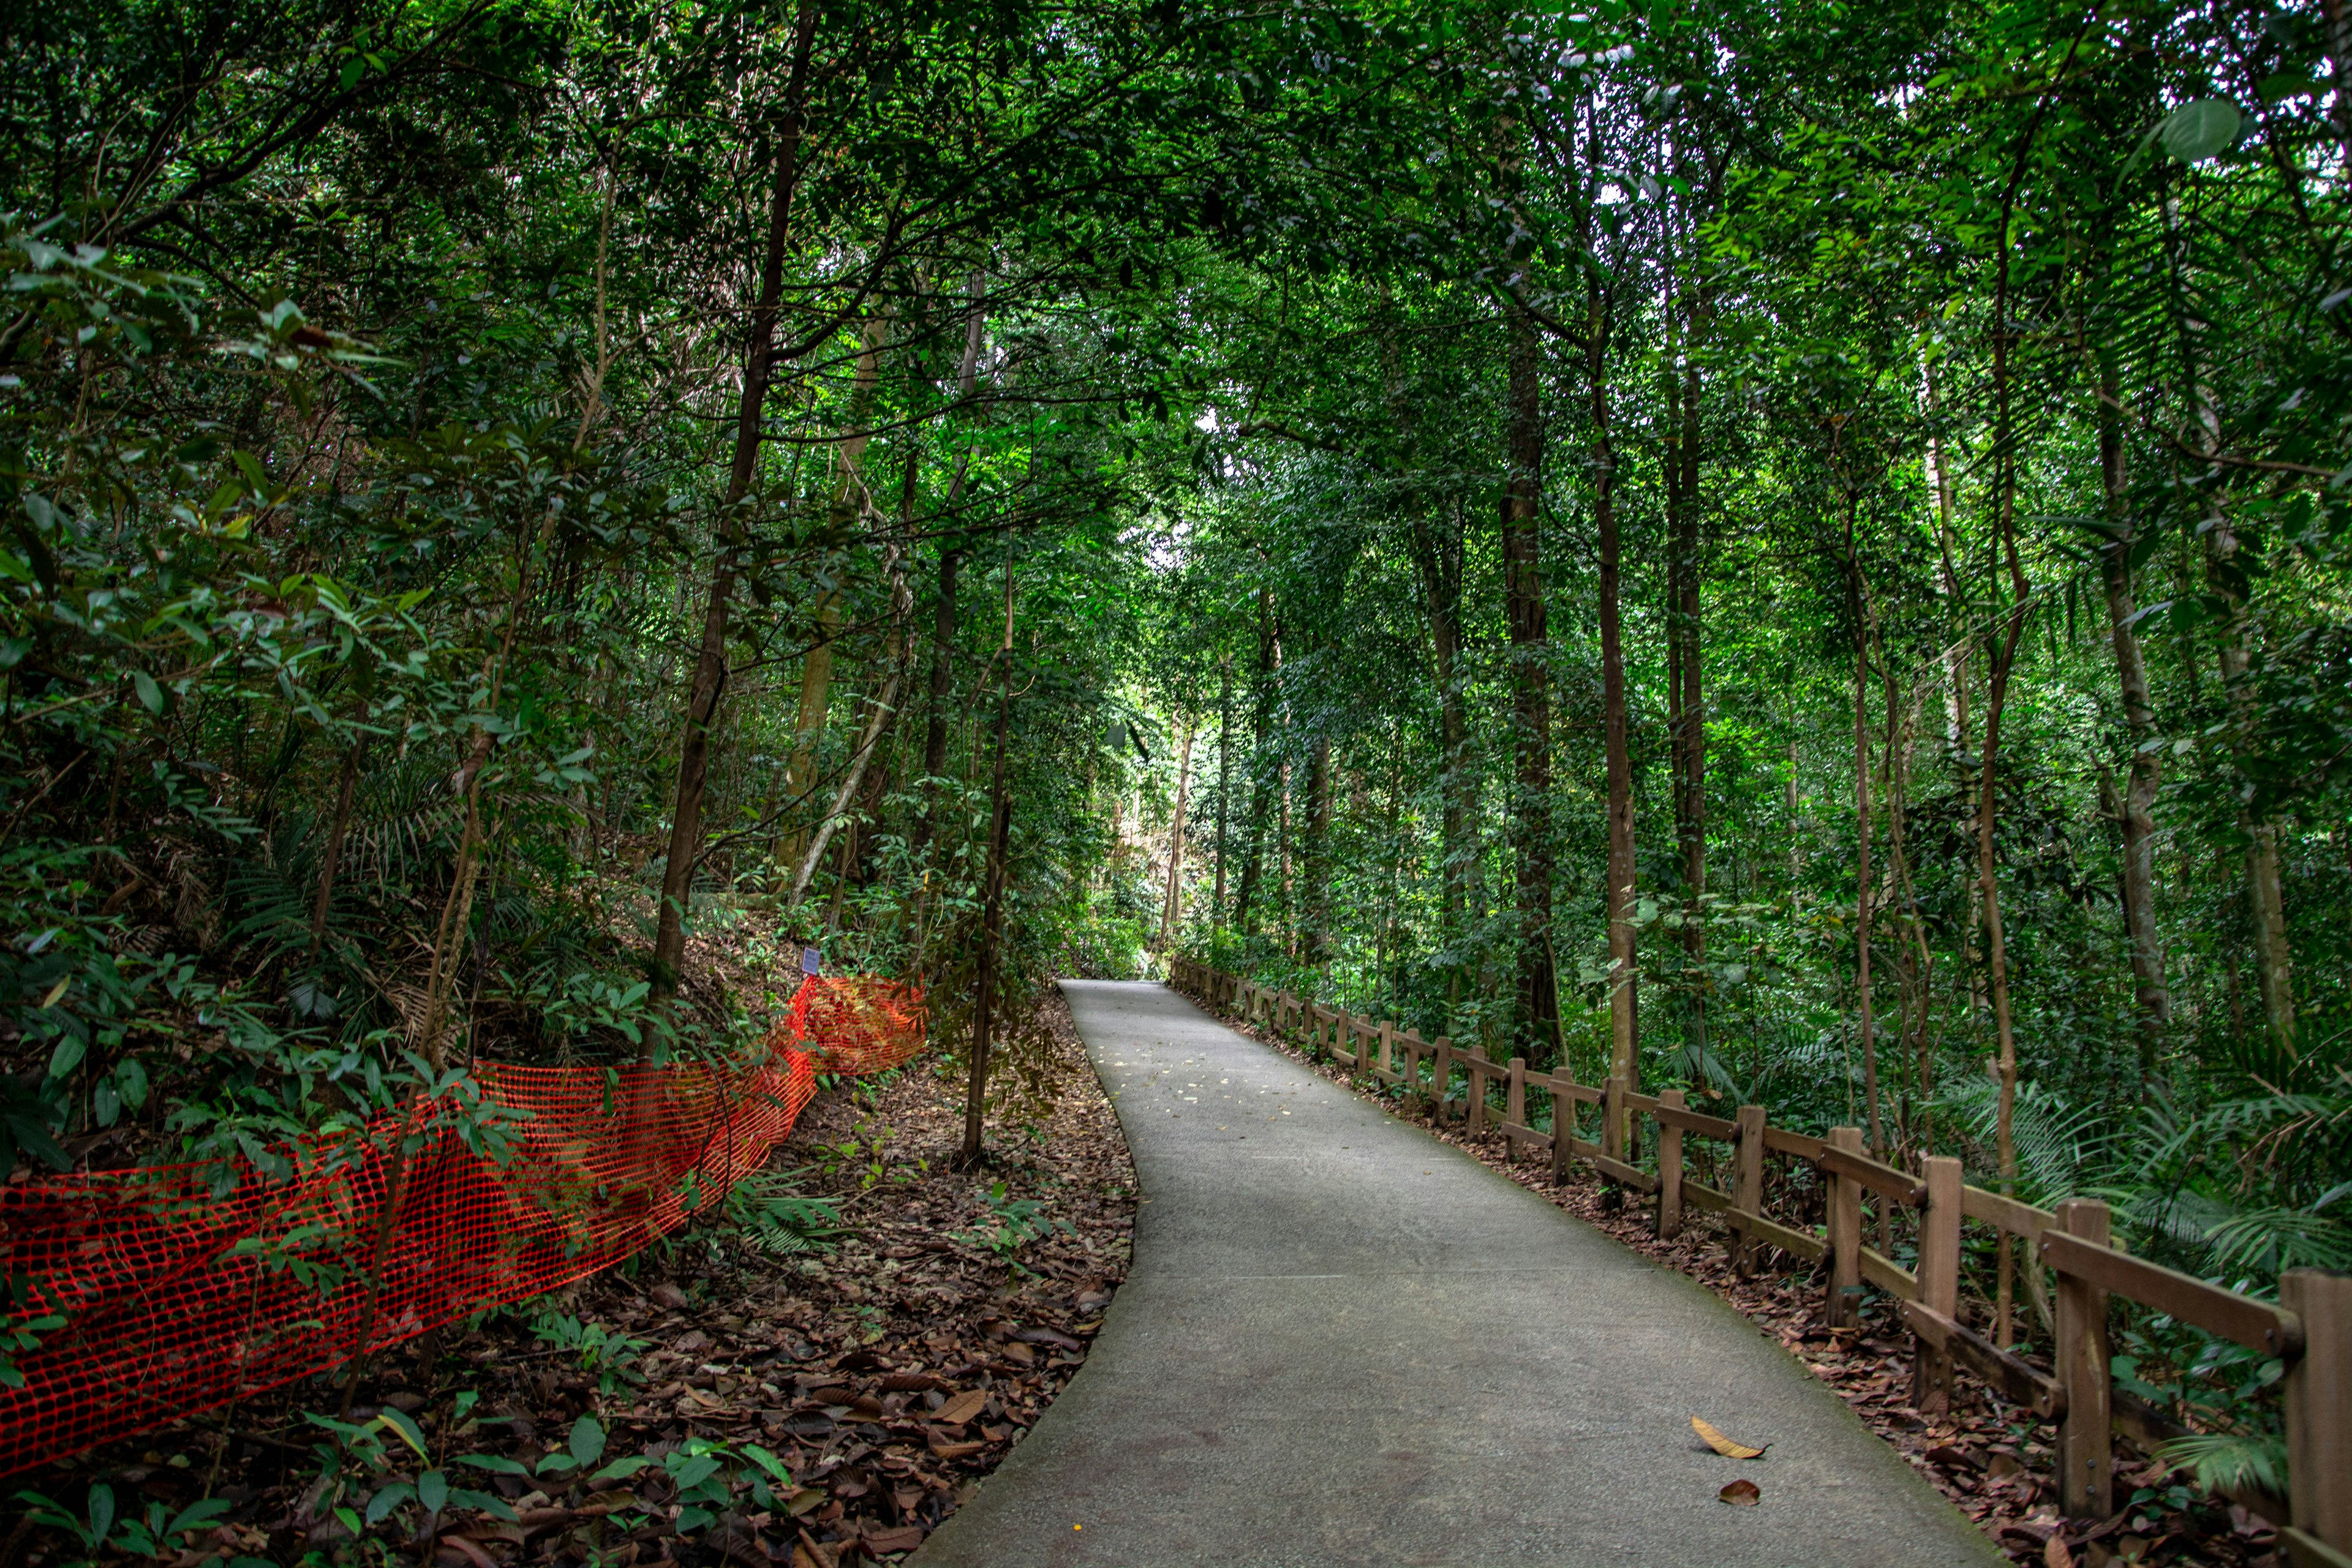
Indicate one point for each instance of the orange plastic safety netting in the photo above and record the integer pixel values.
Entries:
(184, 1287)
(853, 1023)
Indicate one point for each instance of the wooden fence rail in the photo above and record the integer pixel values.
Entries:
(2309, 1329)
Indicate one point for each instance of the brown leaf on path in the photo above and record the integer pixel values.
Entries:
(2055, 1553)
(1741, 1493)
(961, 1408)
(1723, 1445)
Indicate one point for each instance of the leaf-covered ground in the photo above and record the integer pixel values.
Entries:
(1993, 1460)
(818, 1377)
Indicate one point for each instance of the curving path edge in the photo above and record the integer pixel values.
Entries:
(1344, 1341)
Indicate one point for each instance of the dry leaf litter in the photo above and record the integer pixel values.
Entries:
(885, 1375)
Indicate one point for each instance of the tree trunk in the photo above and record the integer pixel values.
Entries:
(1865, 1026)
(1224, 786)
(1686, 716)
(2004, 654)
(943, 625)
(2138, 802)
(992, 918)
(1624, 1057)
(885, 709)
(1437, 551)
(1315, 909)
(1171, 909)
(1523, 592)
(2265, 905)
(1263, 775)
(710, 659)
(849, 503)
(935, 731)
(330, 861)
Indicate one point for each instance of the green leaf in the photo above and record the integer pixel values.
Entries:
(694, 1471)
(149, 694)
(433, 1491)
(587, 1441)
(101, 1512)
(67, 1056)
(131, 1081)
(497, 1464)
(397, 1421)
(385, 1501)
(2196, 132)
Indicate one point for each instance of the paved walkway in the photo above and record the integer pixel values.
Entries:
(1343, 1341)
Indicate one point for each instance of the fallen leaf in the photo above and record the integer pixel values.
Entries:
(2055, 1553)
(1741, 1493)
(905, 1538)
(961, 1408)
(1723, 1445)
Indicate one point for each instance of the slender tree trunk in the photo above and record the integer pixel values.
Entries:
(2265, 905)
(992, 918)
(1315, 909)
(1263, 774)
(1866, 1027)
(1624, 1055)
(1687, 719)
(943, 625)
(1224, 786)
(2138, 799)
(1523, 590)
(710, 659)
(1171, 909)
(941, 684)
(2004, 654)
(885, 709)
(330, 862)
(849, 503)
(1437, 551)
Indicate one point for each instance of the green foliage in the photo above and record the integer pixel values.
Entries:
(771, 1213)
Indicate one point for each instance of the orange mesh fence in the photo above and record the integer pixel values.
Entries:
(853, 1023)
(185, 1287)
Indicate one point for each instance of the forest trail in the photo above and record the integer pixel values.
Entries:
(1343, 1341)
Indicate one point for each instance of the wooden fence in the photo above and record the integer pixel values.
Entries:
(2310, 1329)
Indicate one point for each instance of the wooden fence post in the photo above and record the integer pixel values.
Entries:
(1612, 1117)
(1478, 1122)
(1388, 1045)
(2085, 1446)
(1939, 1281)
(2319, 1412)
(1440, 1085)
(1515, 1105)
(1563, 1125)
(1845, 1235)
(1670, 1168)
(1747, 1185)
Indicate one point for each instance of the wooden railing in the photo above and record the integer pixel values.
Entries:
(2309, 1329)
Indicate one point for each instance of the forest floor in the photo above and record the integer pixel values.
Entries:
(887, 1368)
(1992, 1459)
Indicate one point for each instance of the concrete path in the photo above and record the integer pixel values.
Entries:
(1343, 1341)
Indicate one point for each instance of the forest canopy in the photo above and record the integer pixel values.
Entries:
(1793, 551)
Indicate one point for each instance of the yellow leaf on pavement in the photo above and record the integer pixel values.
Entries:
(1723, 1445)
